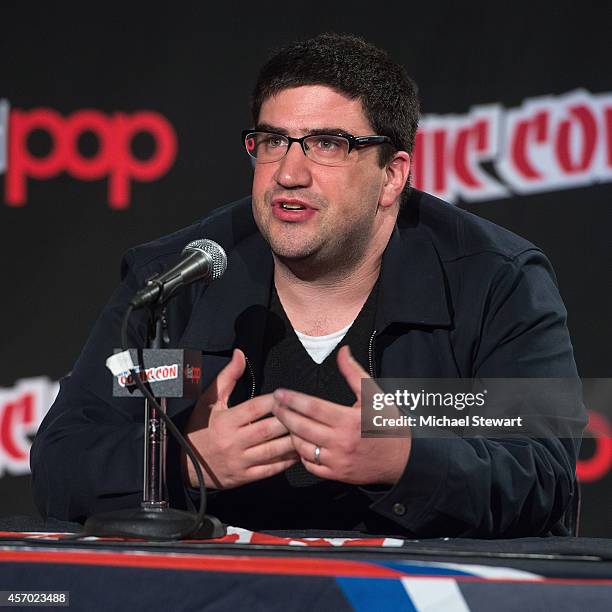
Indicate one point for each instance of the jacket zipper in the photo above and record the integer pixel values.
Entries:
(371, 354)
(252, 375)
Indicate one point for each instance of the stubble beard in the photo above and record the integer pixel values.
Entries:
(332, 253)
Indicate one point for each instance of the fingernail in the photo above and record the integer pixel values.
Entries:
(279, 395)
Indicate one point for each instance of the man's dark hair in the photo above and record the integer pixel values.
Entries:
(355, 68)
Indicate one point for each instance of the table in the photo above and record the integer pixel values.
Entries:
(306, 571)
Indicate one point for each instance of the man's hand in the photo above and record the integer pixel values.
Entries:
(336, 430)
(233, 446)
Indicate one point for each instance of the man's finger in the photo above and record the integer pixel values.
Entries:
(303, 426)
(259, 472)
(307, 451)
(252, 410)
(221, 388)
(269, 452)
(230, 375)
(265, 429)
(312, 407)
(306, 448)
(351, 370)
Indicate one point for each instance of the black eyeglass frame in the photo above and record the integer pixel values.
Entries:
(354, 141)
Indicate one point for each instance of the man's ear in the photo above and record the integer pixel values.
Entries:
(396, 175)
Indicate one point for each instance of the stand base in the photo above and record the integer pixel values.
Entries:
(159, 524)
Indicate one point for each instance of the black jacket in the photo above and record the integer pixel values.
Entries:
(461, 297)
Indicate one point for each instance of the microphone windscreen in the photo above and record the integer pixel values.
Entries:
(214, 250)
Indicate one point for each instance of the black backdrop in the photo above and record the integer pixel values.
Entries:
(61, 247)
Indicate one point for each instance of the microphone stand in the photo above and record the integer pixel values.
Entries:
(154, 520)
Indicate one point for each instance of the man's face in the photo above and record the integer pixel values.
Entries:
(338, 221)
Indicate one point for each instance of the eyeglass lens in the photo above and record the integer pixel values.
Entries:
(322, 148)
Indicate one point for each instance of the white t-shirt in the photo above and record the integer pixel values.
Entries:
(319, 347)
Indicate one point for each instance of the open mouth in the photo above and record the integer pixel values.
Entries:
(292, 210)
(287, 206)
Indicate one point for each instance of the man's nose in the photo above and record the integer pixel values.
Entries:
(294, 169)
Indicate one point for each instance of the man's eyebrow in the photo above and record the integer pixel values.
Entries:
(266, 127)
(329, 130)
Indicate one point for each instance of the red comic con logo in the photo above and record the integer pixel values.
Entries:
(600, 463)
(547, 143)
(114, 158)
(194, 374)
(22, 408)
(155, 374)
(16, 414)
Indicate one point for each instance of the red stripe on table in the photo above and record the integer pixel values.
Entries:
(211, 563)
(261, 565)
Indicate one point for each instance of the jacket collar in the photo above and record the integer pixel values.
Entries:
(412, 283)
(232, 311)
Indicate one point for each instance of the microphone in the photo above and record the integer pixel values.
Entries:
(201, 260)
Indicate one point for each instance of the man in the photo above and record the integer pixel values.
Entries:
(332, 252)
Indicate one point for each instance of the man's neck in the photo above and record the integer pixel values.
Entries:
(323, 305)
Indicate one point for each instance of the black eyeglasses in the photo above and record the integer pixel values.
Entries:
(326, 149)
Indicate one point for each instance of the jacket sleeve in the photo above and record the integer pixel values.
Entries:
(484, 487)
(87, 456)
